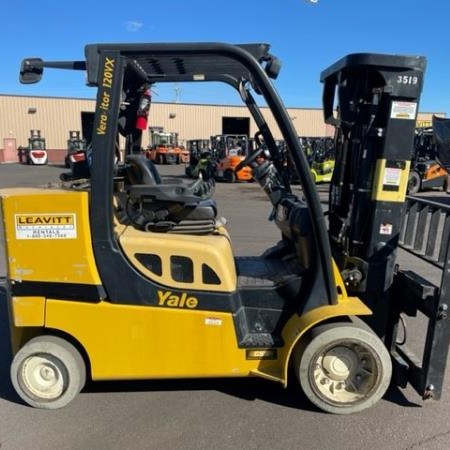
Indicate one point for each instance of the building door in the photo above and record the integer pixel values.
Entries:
(87, 125)
(10, 150)
(236, 125)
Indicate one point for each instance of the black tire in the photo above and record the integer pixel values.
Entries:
(229, 176)
(161, 159)
(343, 368)
(48, 372)
(414, 182)
(210, 171)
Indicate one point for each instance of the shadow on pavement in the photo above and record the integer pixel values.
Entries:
(249, 389)
(395, 395)
(6, 389)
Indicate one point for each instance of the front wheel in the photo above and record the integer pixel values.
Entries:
(48, 372)
(414, 182)
(343, 368)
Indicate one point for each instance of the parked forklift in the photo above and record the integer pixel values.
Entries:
(134, 278)
(164, 147)
(426, 170)
(76, 149)
(36, 152)
(201, 159)
(320, 154)
(441, 133)
(229, 151)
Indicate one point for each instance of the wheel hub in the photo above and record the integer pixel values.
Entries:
(47, 373)
(339, 363)
(43, 377)
(344, 373)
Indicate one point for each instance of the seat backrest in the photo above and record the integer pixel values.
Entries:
(140, 170)
(154, 205)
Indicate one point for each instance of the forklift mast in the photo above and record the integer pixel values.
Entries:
(377, 104)
(75, 141)
(36, 141)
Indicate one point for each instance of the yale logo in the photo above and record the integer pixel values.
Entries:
(168, 298)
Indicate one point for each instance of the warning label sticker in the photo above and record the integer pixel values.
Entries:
(386, 228)
(404, 110)
(45, 226)
(392, 176)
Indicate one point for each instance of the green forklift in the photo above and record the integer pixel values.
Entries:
(201, 159)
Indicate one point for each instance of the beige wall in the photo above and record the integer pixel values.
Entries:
(56, 116)
(53, 116)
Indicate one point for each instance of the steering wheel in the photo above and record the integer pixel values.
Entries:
(249, 159)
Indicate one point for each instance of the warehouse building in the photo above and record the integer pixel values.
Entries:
(55, 117)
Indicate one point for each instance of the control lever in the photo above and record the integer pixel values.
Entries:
(203, 188)
(249, 159)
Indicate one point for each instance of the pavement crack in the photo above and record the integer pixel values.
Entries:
(419, 444)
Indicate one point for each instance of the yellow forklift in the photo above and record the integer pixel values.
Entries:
(132, 277)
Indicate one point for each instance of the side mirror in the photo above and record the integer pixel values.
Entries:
(273, 68)
(31, 70)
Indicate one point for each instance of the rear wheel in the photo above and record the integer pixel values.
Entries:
(414, 182)
(343, 368)
(48, 372)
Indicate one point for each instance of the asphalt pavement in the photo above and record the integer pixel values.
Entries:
(211, 414)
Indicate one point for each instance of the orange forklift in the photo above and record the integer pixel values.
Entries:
(164, 147)
(426, 172)
(229, 151)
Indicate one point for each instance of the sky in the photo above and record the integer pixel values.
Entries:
(307, 37)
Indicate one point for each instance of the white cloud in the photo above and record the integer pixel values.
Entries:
(133, 25)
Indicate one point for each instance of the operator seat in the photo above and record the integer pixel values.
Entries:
(171, 207)
(141, 170)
